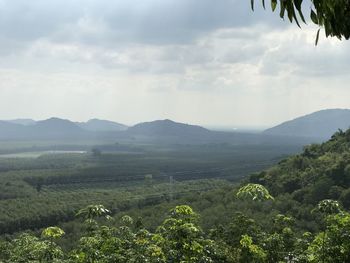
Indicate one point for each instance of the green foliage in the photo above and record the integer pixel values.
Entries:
(329, 207)
(180, 239)
(255, 192)
(251, 252)
(52, 232)
(332, 15)
(319, 173)
(27, 248)
(93, 211)
(333, 244)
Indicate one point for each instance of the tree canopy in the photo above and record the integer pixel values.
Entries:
(333, 16)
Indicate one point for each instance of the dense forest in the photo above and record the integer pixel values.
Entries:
(295, 211)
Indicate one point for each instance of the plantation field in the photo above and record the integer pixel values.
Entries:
(39, 189)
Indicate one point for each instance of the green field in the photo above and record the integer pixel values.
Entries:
(42, 188)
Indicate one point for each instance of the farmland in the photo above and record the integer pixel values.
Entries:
(38, 189)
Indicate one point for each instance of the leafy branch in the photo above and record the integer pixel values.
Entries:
(333, 16)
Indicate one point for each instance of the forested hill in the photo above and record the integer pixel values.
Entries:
(97, 125)
(167, 128)
(319, 172)
(321, 124)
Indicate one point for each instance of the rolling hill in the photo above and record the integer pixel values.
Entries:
(97, 125)
(53, 128)
(170, 132)
(321, 124)
(301, 131)
(167, 128)
(10, 130)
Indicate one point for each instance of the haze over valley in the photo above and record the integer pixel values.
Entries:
(314, 127)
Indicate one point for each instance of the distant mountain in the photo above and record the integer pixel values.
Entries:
(10, 130)
(22, 121)
(57, 125)
(321, 124)
(155, 132)
(167, 128)
(54, 128)
(97, 125)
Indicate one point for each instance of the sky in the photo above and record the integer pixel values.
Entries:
(194, 61)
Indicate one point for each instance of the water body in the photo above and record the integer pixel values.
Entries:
(37, 154)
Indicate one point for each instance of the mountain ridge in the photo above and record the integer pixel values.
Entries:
(22, 121)
(166, 127)
(320, 124)
(314, 127)
(101, 125)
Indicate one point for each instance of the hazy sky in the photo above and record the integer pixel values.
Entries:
(194, 61)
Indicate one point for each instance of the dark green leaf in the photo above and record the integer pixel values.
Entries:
(297, 4)
(283, 9)
(317, 37)
(313, 17)
(273, 5)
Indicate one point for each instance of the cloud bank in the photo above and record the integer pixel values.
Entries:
(205, 62)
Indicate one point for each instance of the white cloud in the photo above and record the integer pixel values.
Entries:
(194, 61)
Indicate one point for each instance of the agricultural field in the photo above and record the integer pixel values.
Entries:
(43, 188)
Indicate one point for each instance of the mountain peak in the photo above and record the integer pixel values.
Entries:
(167, 128)
(101, 125)
(57, 125)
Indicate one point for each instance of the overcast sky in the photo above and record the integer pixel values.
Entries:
(195, 61)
